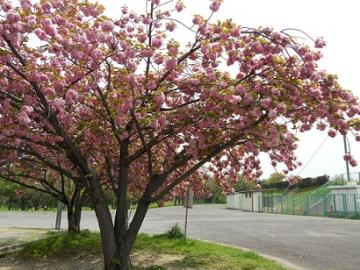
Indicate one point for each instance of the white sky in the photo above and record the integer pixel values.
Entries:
(336, 21)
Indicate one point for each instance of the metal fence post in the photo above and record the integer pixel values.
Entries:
(293, 200)
(344, 204)
(282, 206)
(334, 201)
(307, 205)
(355, 204)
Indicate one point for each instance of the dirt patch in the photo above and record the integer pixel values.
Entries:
(85, 263)
(141, 260)
(146, 259)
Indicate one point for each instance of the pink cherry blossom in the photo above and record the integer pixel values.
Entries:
(170, 64)
(179, 6)
(320, 43)
(215, 5)
(157, 42)
(348, 157)
(266, 103)
(160, 99)
(171, 26)
(71, 95)
(353, 162)
(107, 26)
(142, 38)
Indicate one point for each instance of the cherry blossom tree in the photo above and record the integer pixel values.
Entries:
(27, 170)
(121, 104)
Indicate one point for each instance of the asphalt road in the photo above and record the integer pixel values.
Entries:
(306, 242)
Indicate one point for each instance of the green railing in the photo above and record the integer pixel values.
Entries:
(314, 204)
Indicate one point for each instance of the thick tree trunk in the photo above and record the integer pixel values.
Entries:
(74, 207)
(117, 239)
(126, 243)
(74, 218)
(107, 234)
(105, 222)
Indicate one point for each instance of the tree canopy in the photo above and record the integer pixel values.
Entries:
(121, 104)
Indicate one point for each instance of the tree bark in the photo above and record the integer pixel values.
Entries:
(105, 222)
(9, 204)
(127, 242)
(74, 218)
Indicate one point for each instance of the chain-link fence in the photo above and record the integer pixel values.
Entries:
(332, 205)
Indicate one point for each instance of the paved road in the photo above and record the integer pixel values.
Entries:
(308, 242)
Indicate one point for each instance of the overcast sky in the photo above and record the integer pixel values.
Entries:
(337, 21)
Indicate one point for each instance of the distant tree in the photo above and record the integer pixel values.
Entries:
(215, 192)
(339, 179)
(243, 184)
(8, 193)
(15, 196)
(33, 177)
(275, 178)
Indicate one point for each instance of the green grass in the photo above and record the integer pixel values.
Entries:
(63, 244)
(194, 254)
(204, 255)
(155, 205)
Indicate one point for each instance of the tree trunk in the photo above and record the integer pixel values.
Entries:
(107, 234)
(117, 240)
(9, 204)
(22, 204)
(126, 243)
(74, 217)
(36, 205)
(105, 222)
(74, 210)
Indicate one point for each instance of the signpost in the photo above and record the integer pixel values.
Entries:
(188, 203)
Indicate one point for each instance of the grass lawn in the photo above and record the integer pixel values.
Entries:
(13, 236)
(150, 252)
(155, 205)
(203, 255)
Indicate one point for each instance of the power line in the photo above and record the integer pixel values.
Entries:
(313, 155)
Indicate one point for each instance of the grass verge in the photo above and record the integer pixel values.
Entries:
(204, 255)
(62, 244)
(189, 254)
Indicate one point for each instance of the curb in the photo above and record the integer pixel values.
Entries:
(282, 262)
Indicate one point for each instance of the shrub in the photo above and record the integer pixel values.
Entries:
(175, 232)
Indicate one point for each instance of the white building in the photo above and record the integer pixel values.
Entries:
(250, 200)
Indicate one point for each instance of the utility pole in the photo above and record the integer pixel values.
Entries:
(347, 162)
